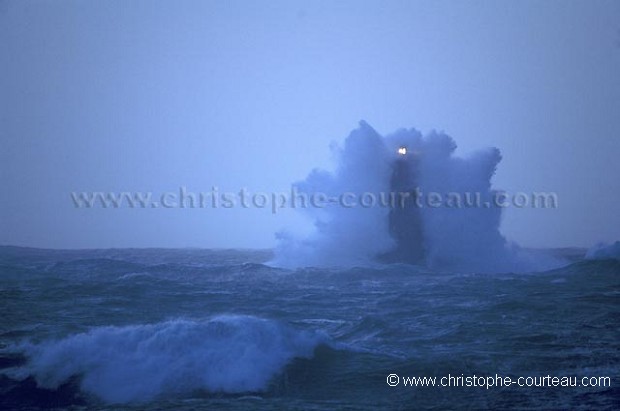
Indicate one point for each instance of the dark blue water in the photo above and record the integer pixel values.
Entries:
(201, 329)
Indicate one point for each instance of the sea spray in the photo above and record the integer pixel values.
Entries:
(460, 235)
(603, 251)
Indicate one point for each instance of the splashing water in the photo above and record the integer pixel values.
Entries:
(453, 236)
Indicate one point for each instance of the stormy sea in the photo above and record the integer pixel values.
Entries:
(399, 307)
(220, 329)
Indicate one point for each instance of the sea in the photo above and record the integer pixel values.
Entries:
(195, 329)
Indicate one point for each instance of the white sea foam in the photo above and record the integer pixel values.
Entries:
(231, 354)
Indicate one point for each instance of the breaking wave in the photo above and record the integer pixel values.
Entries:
(229, 354)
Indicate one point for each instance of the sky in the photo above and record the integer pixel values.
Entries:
(157, 95)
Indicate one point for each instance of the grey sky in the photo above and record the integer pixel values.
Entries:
(153, 95)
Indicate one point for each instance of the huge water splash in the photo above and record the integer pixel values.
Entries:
(458, 230)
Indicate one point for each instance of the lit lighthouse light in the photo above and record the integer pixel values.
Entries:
(402, 150)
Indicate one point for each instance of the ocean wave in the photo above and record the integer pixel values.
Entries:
(604, 252)
(230, 354)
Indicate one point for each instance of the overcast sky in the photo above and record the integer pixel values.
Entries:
(154, 95)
